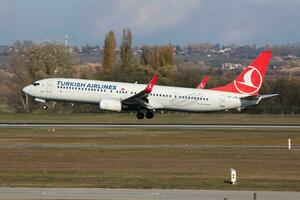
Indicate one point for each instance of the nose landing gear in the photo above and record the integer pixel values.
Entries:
(45, 107)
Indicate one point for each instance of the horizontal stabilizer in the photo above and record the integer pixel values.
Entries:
(266, 96)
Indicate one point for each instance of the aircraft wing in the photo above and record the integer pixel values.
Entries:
(141, 98)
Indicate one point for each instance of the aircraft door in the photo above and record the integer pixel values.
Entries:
(49, 86)
(42, 87)
(222, 101)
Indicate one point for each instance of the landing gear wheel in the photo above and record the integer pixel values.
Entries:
(45, 107)
(140, 115)
(149, 115)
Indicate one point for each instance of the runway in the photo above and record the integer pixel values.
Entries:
(144, 146)
(148, 126)
(139, 194)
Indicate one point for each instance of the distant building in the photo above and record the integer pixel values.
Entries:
(230, 66)
(290, 57)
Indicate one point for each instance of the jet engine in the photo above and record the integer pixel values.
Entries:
(110, 104)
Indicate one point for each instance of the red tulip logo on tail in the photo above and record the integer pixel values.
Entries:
(249, 82)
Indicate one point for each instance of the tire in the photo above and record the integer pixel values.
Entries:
(44, 107)
(149, 115)
(140, 115)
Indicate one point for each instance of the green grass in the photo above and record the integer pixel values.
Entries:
(189, 168)
(185, 167)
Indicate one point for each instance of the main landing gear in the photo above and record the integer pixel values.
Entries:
(149, 115)
(140, 115)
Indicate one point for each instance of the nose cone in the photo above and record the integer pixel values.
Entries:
(26, 89)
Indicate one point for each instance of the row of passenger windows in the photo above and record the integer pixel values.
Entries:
(87, 89)
(180, 97)
(125, 92)
(194, 98)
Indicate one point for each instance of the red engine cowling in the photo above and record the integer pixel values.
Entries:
(110, 104)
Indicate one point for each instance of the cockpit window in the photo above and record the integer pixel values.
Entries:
(36, 84)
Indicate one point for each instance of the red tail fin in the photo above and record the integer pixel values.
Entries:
(250, 80)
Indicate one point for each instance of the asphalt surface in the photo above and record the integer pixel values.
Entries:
(172, 126)
(143, 146)
(139, 194)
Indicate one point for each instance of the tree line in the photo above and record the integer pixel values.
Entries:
(130, 67)
(48, 59)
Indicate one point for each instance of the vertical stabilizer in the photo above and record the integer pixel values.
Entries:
(250, 80)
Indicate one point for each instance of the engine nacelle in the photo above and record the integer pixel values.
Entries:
(110, 104)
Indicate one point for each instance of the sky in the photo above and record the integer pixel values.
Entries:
(152, 21)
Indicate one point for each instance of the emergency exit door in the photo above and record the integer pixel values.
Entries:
(222, 101)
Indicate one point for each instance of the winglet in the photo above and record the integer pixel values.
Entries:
(203, 82)
(150, 85)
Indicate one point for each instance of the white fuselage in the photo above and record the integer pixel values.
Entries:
(161, 97)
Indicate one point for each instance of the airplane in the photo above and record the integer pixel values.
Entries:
(202, 84)
(146, 99)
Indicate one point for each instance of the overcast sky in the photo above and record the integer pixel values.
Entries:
(152, 21)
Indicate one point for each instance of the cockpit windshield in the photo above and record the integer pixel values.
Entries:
(36, 84)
